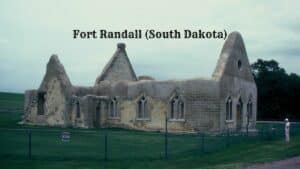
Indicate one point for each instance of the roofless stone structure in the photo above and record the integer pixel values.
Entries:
(121, 99)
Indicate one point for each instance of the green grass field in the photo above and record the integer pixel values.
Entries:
(11, 101)
(130, 149)
(11, 106)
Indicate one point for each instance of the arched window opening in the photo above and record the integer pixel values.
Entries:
(97, 115)
(172, 109)
(239, 113)
(113, 108)
(142, 113)
(181, 109)
(240, 106)
(229, 109)
(77, 109)
(249, 109)
(41, 103)
(176, 108)
(98, 109)
(239, 63)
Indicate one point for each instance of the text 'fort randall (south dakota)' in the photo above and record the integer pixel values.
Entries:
(150, 34)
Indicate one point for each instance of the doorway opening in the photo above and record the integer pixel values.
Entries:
(239, 114)
(41, 103)
(97, 116)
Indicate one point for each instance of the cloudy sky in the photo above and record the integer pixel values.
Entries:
(30, 31)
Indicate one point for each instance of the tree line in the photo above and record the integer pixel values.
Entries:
(278, 92)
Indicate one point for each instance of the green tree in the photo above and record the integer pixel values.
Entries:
(278, 92)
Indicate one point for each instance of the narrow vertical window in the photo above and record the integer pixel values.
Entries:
(142, 113)
(98, 112)
(181, 109)
(172, 111)
(239, 114)
(97, 120)
(176, 108)
(77, 109)
(240, 106)
(113, 108)
(229, 109)
(249, 109)
(41, 103)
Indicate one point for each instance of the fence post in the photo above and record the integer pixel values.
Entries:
(105, 147)
(166, 139)
(29, 144)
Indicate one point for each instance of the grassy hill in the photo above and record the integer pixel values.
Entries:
(11, 108)
(11, 101)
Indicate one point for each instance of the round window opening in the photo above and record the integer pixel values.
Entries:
(239, 63)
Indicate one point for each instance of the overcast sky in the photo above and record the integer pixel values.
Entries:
(30, 31)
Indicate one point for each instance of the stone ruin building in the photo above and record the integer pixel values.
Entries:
(121, 99)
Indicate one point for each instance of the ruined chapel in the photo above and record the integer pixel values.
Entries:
(119, 98)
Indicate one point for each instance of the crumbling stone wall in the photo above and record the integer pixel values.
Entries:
(55, 104)
(156, 121)
(54, 113)
(200, 98)
(53, 96)
(203, 108)
(118, 68)
(204, 99)
(30, 106)
(236, 81)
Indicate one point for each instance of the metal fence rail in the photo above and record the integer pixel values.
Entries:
(106, 144)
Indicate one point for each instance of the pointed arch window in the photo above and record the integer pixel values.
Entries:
(176, 108)
(113, 108)
(240, 106)
(41, 103)
(181, 109)
(77, 109)
(142, 111)
(249, 109)
(239, 114)
(229, 109)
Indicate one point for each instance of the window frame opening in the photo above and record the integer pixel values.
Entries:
(41, 103)
(229, 109)
(239, 64)
(177, 112)
(78, 111)
(113, 109)
(239, 113)
(250, 109)
(142, 112)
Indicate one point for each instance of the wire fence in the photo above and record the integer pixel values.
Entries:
(112, 144)
(117, 144)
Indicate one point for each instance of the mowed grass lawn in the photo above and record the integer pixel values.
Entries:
(125, 148)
